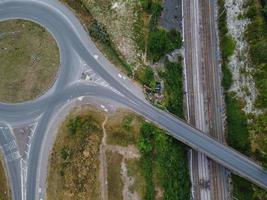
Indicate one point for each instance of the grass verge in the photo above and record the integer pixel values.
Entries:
(4, 187)
(29, 59)
(105, 45)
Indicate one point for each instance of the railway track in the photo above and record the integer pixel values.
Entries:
(194, 107)
(214, 103)
(204, 96)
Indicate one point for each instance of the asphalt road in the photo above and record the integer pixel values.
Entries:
(75, 46)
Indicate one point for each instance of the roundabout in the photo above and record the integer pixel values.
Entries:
(29, 60)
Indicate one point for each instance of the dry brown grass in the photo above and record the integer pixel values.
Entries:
(29, 60)
(115, 184)
(123, 128)
(76, 176)
(4, 188)
(134, 171)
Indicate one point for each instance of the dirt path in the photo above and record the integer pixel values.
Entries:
(103, 164)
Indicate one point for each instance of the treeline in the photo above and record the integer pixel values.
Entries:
(238, 130)
(256, 36)
(237, 127)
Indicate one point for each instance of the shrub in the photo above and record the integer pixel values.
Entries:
(99, 32)
(161, 42)
(238, 135)
(147, 5)
(228, 46)
(242, 188)
(173, 79)
(227, 77)
(156, 12)
(81, 125)
(176, 38)
(146, 76)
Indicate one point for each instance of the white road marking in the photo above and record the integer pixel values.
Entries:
(96, 56)
(1, 128)
(13, 156)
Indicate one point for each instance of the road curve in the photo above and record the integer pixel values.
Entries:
(72, 40)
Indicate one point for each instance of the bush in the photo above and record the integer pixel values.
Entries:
(228, 46)
(176, 38)
(264, 10)
(173, 82)
(242, 188)
(238, 135)
(261, 84)
(227, 77)
(156, 12)
(157, 44)
(146, 76)
(98, 31)
(161, 42)
(147, 5)
(258, 55)
(252, 11)
(81, 125)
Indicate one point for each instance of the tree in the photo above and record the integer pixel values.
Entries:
(264, 10)
(147, 5)
(176, 38)
(157, 44)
